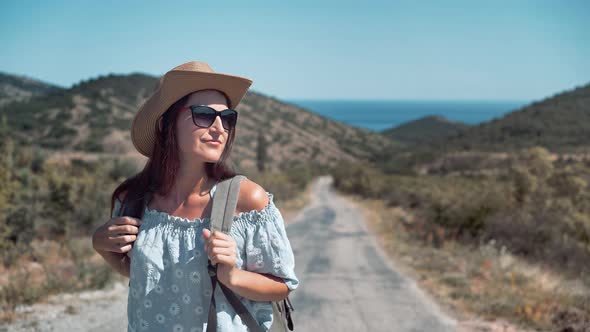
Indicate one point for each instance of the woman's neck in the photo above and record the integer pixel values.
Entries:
(190, 181)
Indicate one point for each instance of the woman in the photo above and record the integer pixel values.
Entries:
(186, 129)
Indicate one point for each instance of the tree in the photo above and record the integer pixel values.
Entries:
(9, 186)
(261, 153)
(58, 209)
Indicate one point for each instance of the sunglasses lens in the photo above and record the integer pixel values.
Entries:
(204, 117)
(229, 119)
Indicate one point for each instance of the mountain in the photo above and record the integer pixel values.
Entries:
(94, 117)
(559, 123)
(19, 88)
(87, 117)
(425, 130)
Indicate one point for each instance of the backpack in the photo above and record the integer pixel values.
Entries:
(224, 205)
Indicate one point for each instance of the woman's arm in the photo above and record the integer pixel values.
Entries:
(221, 249)
(122, 231)
(120, 262)
(258, 286)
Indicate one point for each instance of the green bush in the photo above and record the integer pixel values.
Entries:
(533, 208)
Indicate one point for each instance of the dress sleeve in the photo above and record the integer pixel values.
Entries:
(266, 246)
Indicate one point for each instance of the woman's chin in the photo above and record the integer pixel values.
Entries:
(209, 157)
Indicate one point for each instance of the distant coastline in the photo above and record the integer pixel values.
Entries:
(378, 115)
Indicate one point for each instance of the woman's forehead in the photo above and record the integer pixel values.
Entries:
(207, 97)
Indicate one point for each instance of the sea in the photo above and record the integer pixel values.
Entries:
(378, 115)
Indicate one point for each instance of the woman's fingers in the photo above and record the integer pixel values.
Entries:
(220, 243)
(223, 255)
(120, 249)
(116, 234)
(123, 229)
(223, 259)
(220, 235)
(127, 221)
(221, 248)
(219, 239)
(123, 238)
(222, 251)
(231, 246)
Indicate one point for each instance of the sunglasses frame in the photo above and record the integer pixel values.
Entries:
(221, 114)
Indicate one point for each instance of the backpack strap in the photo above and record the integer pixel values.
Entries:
(126, 209)
(224, 204)
(225, 201)
(134, 210)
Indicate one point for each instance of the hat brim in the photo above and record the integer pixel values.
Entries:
(175, 85)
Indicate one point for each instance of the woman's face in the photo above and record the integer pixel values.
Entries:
(196, 142)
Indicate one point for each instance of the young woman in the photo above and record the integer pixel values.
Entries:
(186, 129)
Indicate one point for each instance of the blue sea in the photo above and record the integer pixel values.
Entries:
(378, 115)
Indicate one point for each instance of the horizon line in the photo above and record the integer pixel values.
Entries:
(407, 99)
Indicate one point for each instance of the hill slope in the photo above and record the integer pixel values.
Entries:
(95, 116)
(19, 88)
(559, 123)
(425, 130)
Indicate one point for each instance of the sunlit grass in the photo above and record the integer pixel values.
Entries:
(51, 268)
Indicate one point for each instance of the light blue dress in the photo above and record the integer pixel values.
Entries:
(169, 287)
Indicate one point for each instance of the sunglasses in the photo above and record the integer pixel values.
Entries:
(204, 116)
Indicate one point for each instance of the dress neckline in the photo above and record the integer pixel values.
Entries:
(244, 215)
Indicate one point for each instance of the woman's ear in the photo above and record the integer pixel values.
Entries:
(160, 124)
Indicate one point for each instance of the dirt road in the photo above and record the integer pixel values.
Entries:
(346, 283)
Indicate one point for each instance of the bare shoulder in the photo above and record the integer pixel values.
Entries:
(251, 197)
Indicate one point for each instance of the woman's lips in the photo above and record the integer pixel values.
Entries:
(215, 143)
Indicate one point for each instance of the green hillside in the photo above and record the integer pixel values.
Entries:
(425, 130)
(559, 123)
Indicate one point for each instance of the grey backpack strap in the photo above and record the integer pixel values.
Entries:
(225, 201)
(126, 210)
(224, 205)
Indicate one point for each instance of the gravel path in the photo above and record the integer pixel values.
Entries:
(103, 310)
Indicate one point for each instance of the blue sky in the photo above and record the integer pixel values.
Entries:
(456, 49)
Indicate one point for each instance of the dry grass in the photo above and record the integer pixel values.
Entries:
(481, 283)
(50, 268)
(289, 209)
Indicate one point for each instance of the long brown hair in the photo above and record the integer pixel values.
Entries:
(160, 170)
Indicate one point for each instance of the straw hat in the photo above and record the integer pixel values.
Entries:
(175, 84)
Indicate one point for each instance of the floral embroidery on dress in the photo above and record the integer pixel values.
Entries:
(195, 277)
(174, 309)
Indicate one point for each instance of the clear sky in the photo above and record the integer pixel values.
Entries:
(341, 49)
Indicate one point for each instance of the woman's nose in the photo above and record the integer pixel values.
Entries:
(217, 124)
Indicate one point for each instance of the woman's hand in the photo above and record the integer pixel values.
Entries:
(116, 235)
(222, 250)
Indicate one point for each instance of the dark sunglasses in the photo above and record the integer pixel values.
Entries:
(204, 116)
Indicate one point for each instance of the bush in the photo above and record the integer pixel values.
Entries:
(534, 209)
